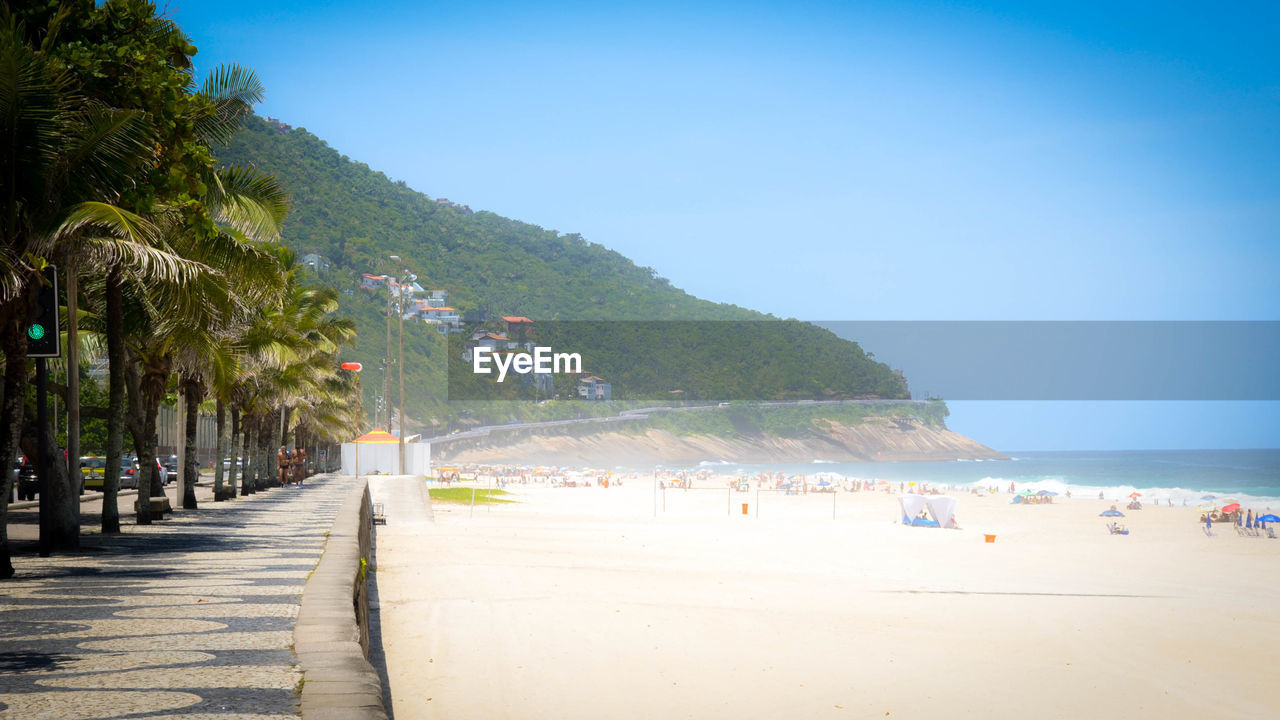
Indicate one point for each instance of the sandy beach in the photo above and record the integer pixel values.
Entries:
(602, 603)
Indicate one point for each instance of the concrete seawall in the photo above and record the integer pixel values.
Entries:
(331, 637)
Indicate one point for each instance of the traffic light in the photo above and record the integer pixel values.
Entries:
(43, 337)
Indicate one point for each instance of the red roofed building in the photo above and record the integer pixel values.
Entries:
(372, 281)
(519, 327)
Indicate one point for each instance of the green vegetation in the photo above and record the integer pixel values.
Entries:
(463, 495)
(172, 263)
(790, 421)
(356, 217)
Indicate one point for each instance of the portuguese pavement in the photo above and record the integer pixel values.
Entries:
(191, 617)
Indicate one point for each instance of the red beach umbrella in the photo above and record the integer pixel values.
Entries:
(1231, 508)
(1135, 495)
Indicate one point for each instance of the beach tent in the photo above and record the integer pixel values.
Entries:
(941, 507)
(379, 452)
(911, 506)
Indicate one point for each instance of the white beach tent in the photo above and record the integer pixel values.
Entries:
(941, 507)
(379, 452)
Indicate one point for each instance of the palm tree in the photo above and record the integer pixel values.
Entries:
(64, 158)
(293, 372)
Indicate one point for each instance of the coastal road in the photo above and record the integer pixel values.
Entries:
(642, 414)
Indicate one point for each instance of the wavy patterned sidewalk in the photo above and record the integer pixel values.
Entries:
(191, 617)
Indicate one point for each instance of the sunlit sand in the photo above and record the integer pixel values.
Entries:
(580, 603)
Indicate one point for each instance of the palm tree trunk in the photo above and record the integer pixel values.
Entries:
(12, 410)
(245, 453)
(146, 389)
(218, 446)
(64, 502)
(265, 436)
(115, 403)
(190, 472)
(286, 416)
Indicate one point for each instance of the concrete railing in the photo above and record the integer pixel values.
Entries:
(331, 637)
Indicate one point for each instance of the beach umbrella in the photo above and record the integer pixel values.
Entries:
(1111, 513)
(824, 483)
(1135, 495)
(1270, 517)
(1231, 508)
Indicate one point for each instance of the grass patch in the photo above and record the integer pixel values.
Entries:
(463, 495)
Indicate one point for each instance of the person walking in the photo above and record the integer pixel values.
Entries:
(296, 461)
(282, 463)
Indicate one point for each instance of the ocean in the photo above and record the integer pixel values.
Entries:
(1184, 477)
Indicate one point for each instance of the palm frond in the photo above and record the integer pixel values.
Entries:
(106, 148)
(233, 90)
(248, 200)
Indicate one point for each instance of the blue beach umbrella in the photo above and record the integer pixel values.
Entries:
(1111, 513)
(1270, 517)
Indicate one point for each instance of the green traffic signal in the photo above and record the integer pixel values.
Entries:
(36, 331)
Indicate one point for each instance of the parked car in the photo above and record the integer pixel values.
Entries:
(28, 481)
(93, 470)
(170, 469)
(226, 464)
(129, 472)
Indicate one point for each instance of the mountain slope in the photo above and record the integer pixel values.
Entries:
(356, 217)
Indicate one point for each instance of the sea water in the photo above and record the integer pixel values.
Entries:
(1183, 477)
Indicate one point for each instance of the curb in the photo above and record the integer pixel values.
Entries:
(331, 636)
(87, 497)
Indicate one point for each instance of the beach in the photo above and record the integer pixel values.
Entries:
(588, 602)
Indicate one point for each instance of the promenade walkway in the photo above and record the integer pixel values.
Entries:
(190, 617)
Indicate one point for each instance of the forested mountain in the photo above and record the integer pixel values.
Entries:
(356, 217)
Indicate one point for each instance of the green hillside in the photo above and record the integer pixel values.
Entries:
(355, 217)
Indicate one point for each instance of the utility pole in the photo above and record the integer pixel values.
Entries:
(386, 375)
(405, 278)
(401, 408)
(73, 378)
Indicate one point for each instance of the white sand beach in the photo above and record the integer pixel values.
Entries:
(580, 603)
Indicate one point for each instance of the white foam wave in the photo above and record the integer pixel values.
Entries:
(1177, 496)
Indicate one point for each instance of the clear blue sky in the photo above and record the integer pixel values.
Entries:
(833, 161)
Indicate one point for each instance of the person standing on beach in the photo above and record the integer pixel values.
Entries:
(1208, 524)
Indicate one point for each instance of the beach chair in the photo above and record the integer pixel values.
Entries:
(1271, 533)
(1239, 529)
(379, 516)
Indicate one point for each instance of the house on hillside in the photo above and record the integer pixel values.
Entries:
(519, 327)
(316, 262)
(446, 202)
(373, 282)
(493, 340)
(594, 388)
(446, 319)
(437, 298)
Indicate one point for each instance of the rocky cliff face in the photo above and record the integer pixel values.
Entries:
(876, 441)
